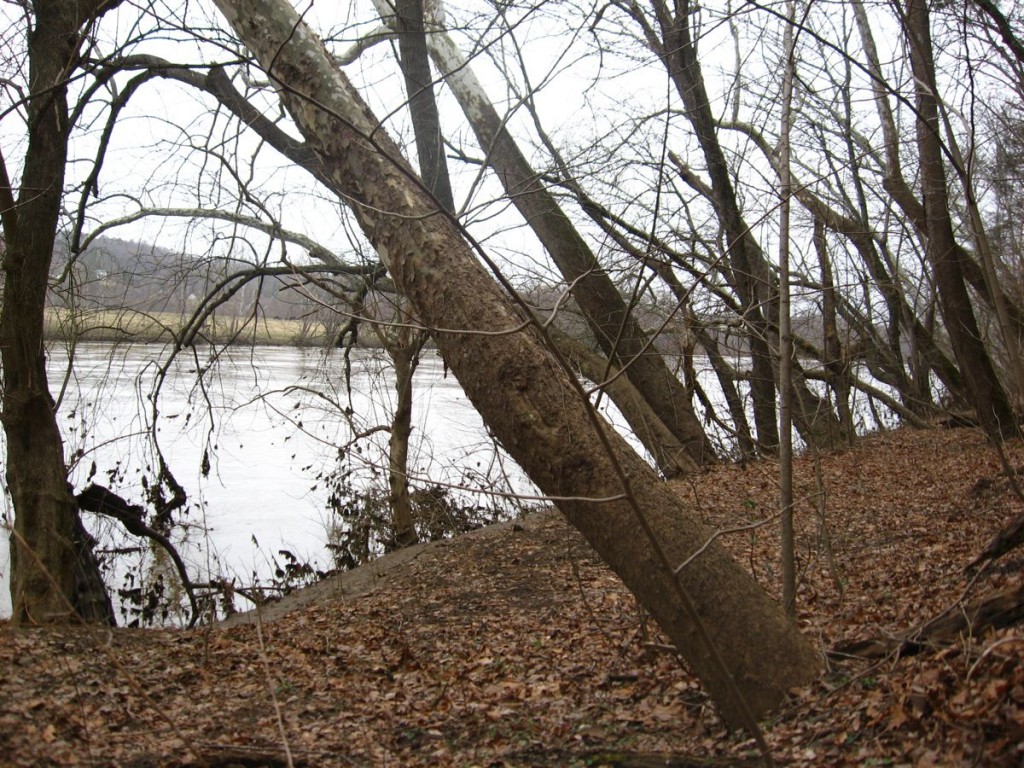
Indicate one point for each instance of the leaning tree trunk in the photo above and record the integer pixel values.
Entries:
(987, 395)
(532, 405)
(668, 454)
(748, 271)
(54, 578)
(899, 190)
(607, 314)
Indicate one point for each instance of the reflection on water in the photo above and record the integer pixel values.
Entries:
(270, 420)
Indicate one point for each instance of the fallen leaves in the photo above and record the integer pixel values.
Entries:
(516, 647)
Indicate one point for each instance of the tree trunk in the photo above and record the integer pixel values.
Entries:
(669, 455)
(404, 344)
(788, 554)
(987, 395)
(748, 271)
(54, 578)
(531, 404)
(885, 360)
(836, 363)
(419, 88)
(404, 356)
(619, 335)
(896, 185)
(727, 381)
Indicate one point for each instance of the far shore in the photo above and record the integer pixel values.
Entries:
(120, 325)
(135, 326)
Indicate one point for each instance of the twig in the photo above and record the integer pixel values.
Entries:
(720, 532)
(986, 652)
(270, 688)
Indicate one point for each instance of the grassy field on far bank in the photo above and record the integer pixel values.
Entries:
(145, 327)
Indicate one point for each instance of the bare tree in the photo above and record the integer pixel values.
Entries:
(667, 32)
(54, 577)
(608, 315)
(736, 640)
(987, 395)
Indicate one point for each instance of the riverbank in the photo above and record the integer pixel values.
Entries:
(515, 646)
(122, 325)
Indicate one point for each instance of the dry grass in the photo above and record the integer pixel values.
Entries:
(131, 325)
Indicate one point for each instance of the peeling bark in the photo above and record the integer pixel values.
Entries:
(531, 404)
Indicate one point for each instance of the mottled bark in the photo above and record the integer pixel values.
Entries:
(530, 403)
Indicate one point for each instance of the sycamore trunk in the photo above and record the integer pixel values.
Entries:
(526, 398)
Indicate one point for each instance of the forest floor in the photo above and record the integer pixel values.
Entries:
(515, 646)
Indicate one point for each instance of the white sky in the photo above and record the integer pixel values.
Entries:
(585, 102)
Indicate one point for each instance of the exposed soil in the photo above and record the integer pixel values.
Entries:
(515, 646)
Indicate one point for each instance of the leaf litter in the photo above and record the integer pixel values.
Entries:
(516, 646)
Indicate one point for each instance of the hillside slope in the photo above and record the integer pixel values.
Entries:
(515, 646)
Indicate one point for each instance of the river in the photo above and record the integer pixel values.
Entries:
(270, 420)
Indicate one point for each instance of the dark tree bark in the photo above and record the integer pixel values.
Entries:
(836, 362)
(615, 226)
(419, 88)
(913, 209)
(995, 610)
(749, 272)
(884, 359)
(403, 345)
(609, 317)
(531, 404)
(747, 275)
(54, 578)
(727, 381)
(987, 395)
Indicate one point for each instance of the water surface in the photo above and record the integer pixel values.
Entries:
(270, 421)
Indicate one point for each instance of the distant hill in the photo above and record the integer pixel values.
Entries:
(124, 274)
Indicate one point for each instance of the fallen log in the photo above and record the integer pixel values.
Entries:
(1008, 539)
(994, 611)
(103, 501)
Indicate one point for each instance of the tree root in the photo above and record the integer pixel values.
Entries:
(102, 501)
